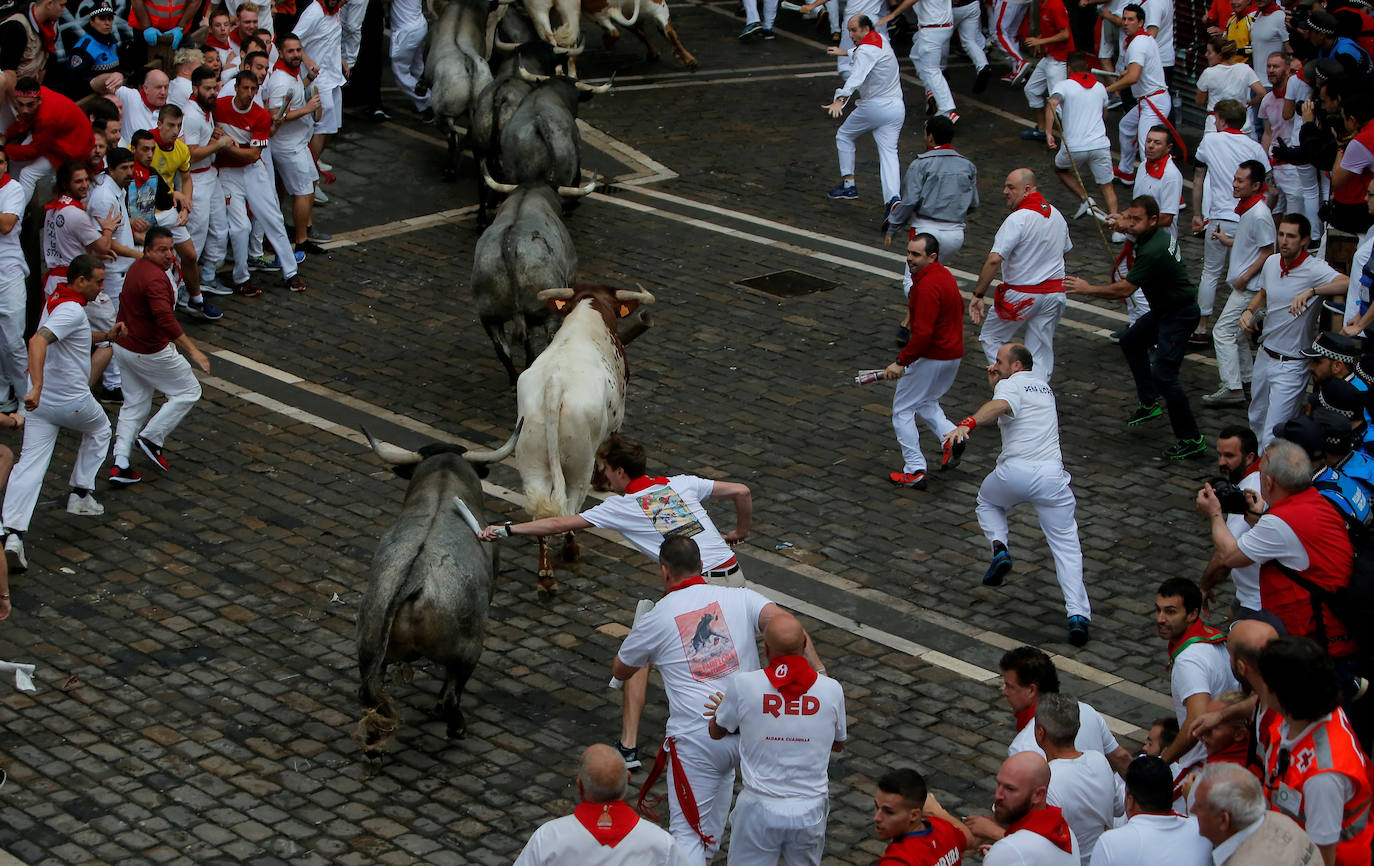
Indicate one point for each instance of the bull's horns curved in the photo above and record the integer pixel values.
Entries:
(392, 455)
(623, 295)
(562, 294)
(500, 453)
(531, 77)
(592, 88)
(502, 44)
(498, 186)
(579, 191)
(571, 52)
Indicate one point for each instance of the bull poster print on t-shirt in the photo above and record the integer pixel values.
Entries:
(706, 642)
(670, 515)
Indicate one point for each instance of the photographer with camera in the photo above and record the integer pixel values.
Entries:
(1238, 468)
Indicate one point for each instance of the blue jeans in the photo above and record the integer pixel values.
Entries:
(1154, 348)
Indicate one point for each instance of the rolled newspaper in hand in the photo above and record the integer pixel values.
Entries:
(867, 376)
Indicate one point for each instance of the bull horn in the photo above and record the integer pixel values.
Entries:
(624, 295)
(392, 455)
(563, 294)
(619, 17)
(571, 52)
(500, 453)
(589, 88)
(505, 46)
(503, 188)
(531, 77)
(579, 191)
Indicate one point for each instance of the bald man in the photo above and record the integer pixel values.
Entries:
(140, 107)
(602, 829)
(788, 718)
(1024, 828)
(1029, 250)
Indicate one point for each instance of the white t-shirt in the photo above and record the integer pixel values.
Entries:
(1167, 189)
(67, 232)
(1284, 333)
(1024, 848)
(874, 74)
(1254, 229)
(932, 12)
(197, 127)
(1032, 246)
(137, 115)
(649, 516)
(321, 36)
(67, 365)
(696, 636)
(1246, 579)
(1030, 430)
(1271, 112)
(1160, 13)
(1201, 669)
(1093, 735)
(108, 195)
(1080, 112)
(1090, 795)
(1271, 538)
(1267, 35)
(12, 263)
(784, 745)
(179, 92)
(1297, 91)
(1149, 840)
(293, 135)
(1222, 153)
(565, 842)
(1144, 50)
(1229, 81)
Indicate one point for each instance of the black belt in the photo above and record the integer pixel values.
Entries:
(1277, 357)
(721, 572)
(965, 3)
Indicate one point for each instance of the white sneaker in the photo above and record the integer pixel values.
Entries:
(1119, 238)
(14, 553)
(1224, 396)
(320, 197)
(1086, 205)
(324, 166)
(80, 505)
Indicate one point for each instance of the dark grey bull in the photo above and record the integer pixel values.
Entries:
(540, 142)
(456, 68)
(431, 584)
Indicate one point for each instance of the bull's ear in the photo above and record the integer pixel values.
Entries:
(481, 469)
(405, 470)
(556, 305)
(628, 307)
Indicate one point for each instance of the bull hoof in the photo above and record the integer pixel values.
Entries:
(690, 63)
(547, 586)
(570, 553)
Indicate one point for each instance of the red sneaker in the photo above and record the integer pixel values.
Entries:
(154, 452)
(124, 476)
(907, 479)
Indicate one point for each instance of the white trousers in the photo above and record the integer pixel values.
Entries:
(1044, 485)
(14, 354)
(252, 187)
(1047, 76)
(207, 208)
(950, 236)
(29, 174)
(114, 287)
(710, 767)
(351, 17)
(1235, 361)
(918, 395)
(1276, 394)
(1299, 192)
(408, 29)
(764, 829)
(1135, 125)
(1040, 314)
(1136, 305)
(842, 62)
(40, 435)
(928, 52)
(883, 118)
(970, 34)
(1216, 256)
(1006, 18)
(770, 13)
(166, 371)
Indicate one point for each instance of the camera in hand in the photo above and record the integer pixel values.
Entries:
(1231, 497)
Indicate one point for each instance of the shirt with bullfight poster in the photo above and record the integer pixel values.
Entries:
(660, 511)
(696, 636)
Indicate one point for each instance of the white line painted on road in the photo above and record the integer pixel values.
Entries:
(711, 82)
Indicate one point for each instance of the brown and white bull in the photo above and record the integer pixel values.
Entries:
(633, 15)
(568, 13)
(572, 398)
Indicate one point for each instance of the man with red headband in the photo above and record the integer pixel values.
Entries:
(49, 130)
(788, 718)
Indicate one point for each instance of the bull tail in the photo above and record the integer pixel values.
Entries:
(551, 502)
(374, 637)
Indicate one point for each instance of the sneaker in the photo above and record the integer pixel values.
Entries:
(14, 554)
(1224, 396)
(953, 116)
(1033, 134)
(1123, 176)
(951, 452)
(887, 212)
(1335, 305)
(295, 283)
(1144, 413)
(108, 395)
(1185, 448)
(914, 480)
(1083, 207)
(204, 309)
(845, 192)
(320, 197)
(980, 82)
(319, 237)
(323, 166)
(768, 34)
(903, 336)
(1078, 630)
(1200, 338)
(260, 263)
(1115, 336)
(379, 115)
(247, 289)
(84, 505)
(1113, 102)
(834, 39)
(309, 247)
(215, 287)
(931, 107)
(750, 32)
(427, 115)
(297, 254)
(183, 300)
(154, 452)
(1022, 72)
(1099, 214)
(999, 568)
(124, 475)
(631, 756)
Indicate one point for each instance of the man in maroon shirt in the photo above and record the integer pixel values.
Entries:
(148, 359)
(927, 364)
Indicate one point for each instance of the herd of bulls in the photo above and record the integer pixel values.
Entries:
(432, 579)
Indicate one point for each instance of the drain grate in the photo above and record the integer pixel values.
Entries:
(788, 284)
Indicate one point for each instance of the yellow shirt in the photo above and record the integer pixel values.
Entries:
(1238, 31)
(168, 163)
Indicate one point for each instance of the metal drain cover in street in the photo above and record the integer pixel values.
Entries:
(788, 284)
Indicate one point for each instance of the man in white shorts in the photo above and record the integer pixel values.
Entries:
(876, 79)
(1029, 249)
(1143, 73)
(1053, 45)
(285, 97)
(1081, 101)
(321, 32)
(696, 635)
(1251, 245)
(789, 717)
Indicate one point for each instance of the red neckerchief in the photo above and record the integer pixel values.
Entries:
(236, 38)
(691, 581)
(1129, 38)
(1156, 168)
(1025, 717)
(212, 42)
(643, 482)
(1197, 632)
(1087, 79)
(49, 33)
(294, 73)
(873, 38)
(144, 97)
(325, 7)
(941, 147)
(1252, 200)
(141, 174)
(1232, 131)
(1035, 202)
(791, 675)
(4, 179)
(1236, 753)
(1048, 822)
(62, 294)
(1285, 268)
(157, 139)
(1280, 89)
(63, 201)
(609, 823)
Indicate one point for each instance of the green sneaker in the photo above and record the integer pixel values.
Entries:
(1144, 412)
(1185, 448)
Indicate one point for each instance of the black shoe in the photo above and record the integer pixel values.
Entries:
(1033, 134)
(309, 247)
(379, 114)
(427, 116)
(981, 82)
(108, 395)
(1078, 630)
(903, 337)
(631, 756)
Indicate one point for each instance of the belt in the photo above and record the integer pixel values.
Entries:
(1148, 95)
(935, 26)
(1276, 356)
(728, 567)
(965, 3)
(1048, 287)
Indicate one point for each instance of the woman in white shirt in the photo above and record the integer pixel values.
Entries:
(1228, 76)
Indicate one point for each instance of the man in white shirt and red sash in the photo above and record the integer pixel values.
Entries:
(1144, 75)
(602, 829)
(1025, 828)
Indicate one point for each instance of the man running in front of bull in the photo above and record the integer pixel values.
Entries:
(646, 511)
(701, 771)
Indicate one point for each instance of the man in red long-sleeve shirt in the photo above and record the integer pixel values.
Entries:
(148, 358)
(49, 130)
(927, 364)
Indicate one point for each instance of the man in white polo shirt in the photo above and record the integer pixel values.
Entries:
(1143, 73)
(1287, 287)
(1251, 245)
(1081, 102)
(1029, 249)
(1154, 834)
(789, 717)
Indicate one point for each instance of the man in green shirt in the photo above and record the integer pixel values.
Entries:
(1156, 269)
